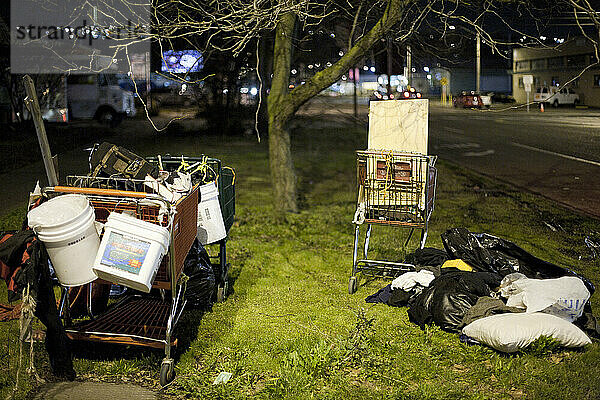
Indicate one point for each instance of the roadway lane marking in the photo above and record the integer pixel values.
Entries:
(459, 146)
(479, 154)
(583, 160)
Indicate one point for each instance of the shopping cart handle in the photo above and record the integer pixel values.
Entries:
(97, 191)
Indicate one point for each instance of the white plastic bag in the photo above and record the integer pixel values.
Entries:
(513, 331)
(564, 297)
(409, 280)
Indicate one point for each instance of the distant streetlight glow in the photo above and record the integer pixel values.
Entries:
(294, 72)
(451, 27)
(426, 69)
(366, 68)
(341, 53)
(253, 91)
(372, 69)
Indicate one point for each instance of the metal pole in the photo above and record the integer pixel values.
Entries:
(355, 99)
(31, 101)
(478, 66)
(389, 66)
(408, 64)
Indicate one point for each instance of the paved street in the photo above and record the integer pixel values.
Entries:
(555, 153)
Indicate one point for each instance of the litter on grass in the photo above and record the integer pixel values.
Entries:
(491, 291)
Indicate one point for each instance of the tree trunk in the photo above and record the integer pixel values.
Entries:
(283, 105)
(281, 165)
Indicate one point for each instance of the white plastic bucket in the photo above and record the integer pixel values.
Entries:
(131, 251)
(66, 226)
(210, 220)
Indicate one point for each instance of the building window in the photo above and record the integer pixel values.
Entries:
(596, 80)
(538, 64)
(521, 85)
(555, 81)
(555, 62)
(522, 65)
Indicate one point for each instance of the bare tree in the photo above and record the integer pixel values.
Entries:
(233, 25)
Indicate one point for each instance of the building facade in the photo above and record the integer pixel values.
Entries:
(556, 67)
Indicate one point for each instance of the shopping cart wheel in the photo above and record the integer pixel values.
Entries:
(167, 371)
(352, 285)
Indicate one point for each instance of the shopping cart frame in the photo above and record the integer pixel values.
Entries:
(178, 218)
(227, 203)
(395, 189)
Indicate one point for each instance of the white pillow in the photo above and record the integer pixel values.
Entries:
(513, 331)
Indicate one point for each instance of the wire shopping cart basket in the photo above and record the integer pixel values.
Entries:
(139, 320)
(394, 189)
(149, 320)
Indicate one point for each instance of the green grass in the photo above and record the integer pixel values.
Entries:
(290, 329)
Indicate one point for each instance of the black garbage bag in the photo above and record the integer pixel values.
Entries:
(450, 296)
(201, 284)
(489, 253)
(427, 256)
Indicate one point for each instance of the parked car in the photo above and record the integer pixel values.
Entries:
(552, 95)
(467, 100)
(486, 99)
(502, 98)
(381, 95)
(410, 93)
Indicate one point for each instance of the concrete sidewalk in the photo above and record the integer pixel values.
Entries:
(93, 391)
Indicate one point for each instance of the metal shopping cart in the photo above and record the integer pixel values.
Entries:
(394, 189)
(209, 169)
(147, 320)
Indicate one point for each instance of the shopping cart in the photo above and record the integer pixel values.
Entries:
(139, 320)
(394, 189)
(207, 169)
(149, 320)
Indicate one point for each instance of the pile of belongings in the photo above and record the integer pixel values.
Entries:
(491, 291)
(119, 168)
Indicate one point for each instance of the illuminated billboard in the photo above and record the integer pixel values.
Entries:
(182, 61)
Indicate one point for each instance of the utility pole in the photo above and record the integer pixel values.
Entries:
(478, 66)
(408, 64)
(355, 99)
(389, 66)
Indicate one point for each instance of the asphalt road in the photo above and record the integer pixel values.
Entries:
(555, 153)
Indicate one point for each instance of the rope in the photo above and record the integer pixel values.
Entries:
(233, 172)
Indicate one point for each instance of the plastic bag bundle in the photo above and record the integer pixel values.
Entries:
(488, 253)
(201, 284)
(449, 296)
(563, 297)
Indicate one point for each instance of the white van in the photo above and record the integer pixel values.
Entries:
(99, 97)
(551, 95)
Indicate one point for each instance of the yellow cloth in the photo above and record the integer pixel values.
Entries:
(458, 263)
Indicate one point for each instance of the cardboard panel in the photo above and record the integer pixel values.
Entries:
(399, 125)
